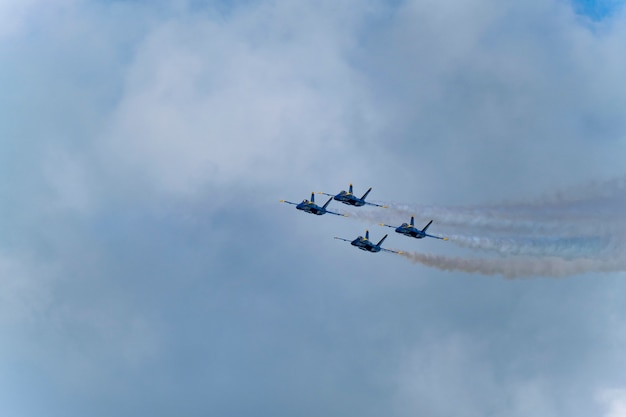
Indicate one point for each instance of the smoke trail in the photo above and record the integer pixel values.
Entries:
(576, 219)
(597, 209)
(565, 247)
(466, 223)
(519, 267)
(566, 233)
(586, 209)
(593, 191)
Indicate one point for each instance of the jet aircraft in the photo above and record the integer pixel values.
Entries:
(364, 243)
(311, 207)
(350, 199)
(412, 231)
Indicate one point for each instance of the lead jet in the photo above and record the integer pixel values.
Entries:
(364, 243)
(311, 207)
(352, 200)
(412, 231)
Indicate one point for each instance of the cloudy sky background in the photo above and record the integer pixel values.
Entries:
(147, 268)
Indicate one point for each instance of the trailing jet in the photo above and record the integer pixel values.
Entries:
(412, 231)
(364, 243)
(350, 199)
(311, 207)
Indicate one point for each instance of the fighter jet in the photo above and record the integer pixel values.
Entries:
(352, 200)
(311, 207)
(412, 231)
(364, 243)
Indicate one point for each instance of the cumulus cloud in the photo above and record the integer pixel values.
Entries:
(216, 101)
(120, 110)
(530, 84)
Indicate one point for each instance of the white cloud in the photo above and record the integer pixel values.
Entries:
(432, 100)
(614, 401)
(512, 95)
(18, 16)
(445, 377)
(255, 99)
(24, 291)
(68, 179)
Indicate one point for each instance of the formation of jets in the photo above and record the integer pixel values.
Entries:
(363, 243)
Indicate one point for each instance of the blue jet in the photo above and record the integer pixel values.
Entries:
(352, 200)
(311, 207)
(364, 243)
(412, 231)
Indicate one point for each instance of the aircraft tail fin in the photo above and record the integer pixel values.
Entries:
(382, 240)
(366, 193)
(350, 189)
(426, 227)
(312, 197)
(328, 202)
(367, 235)
(412, 221)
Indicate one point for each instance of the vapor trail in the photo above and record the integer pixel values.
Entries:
(574, 219)
(565, 233)
(565, 247)
(520, 266)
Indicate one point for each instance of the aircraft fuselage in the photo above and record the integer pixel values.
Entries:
(350, 199)
(411, 232)
(310, 207)
(365, 245)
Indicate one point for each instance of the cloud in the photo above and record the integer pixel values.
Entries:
(257, 98)
(441, 368)
(615, 402)
(147, 148)
(482, 91)
(24, 299)
(17, 16)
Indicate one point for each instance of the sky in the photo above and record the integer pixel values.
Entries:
(147, 266)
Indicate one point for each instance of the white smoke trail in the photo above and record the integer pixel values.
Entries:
(573, 219)
(565, 247)
(566, 233)
(475, 221)
(593, 191)
(598, 205)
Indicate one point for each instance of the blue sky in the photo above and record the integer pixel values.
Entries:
(147, 267)
(598, 9)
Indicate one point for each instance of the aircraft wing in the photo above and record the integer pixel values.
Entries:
(336, 214)
(288, 202)
(340, 238)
